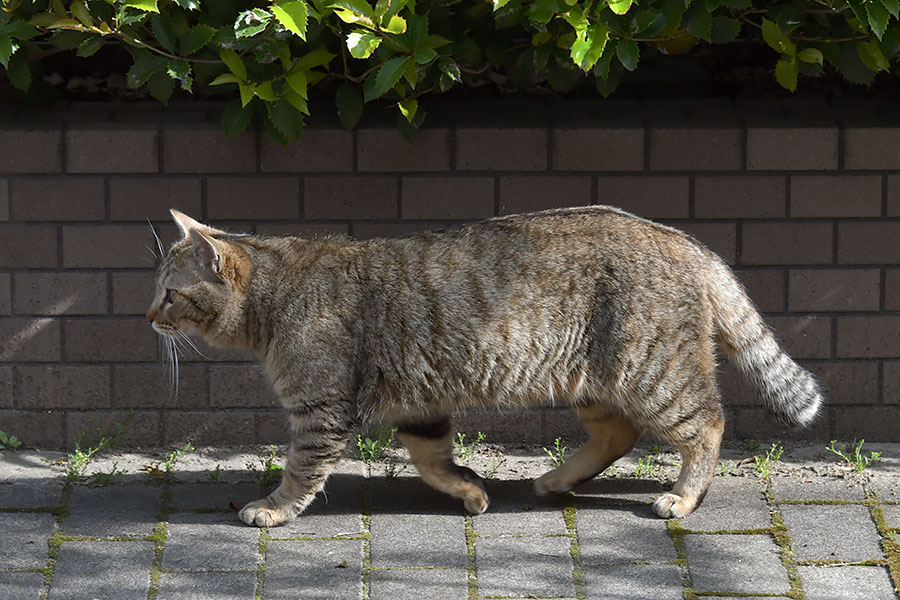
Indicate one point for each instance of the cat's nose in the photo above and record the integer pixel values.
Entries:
(151, 315)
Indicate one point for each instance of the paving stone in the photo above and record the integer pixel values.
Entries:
(336, 512)
(622, 534)
(114, 511)
(25, 538)
(28, 466)
(617, 491)
(119, 570)
(820, 488)
(21, 586)
(634, 582)
(732, 503)
(408, 493)
(418, 541)
(891, 515)
(31, 495)
(847, 583)
(745, 564)
(516, 510)
(217, 496)
(210, 541)
(524, 566)
(886, 488)
(321, 569)
(409, 584)
(819, 532)
(207, 586)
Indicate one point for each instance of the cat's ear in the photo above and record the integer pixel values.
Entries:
(208, 250)
(187, 224)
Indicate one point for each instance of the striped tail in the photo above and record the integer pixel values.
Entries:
(788, 391)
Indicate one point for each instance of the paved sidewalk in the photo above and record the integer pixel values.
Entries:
(376, 537)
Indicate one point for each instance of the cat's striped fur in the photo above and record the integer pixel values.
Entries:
(591, 307)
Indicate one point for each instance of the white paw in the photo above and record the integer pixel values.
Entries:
(550, 484)
(671, 505)
(477, 503)
(261, 514)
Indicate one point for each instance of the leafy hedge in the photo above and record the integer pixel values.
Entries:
(268, 55)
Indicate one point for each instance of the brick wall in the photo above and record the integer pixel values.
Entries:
(807, 210)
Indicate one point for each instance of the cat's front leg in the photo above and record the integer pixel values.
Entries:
(317, 443)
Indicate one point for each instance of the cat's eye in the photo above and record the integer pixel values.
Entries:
(170, 296)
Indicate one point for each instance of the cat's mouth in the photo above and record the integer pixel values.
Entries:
(163, 328)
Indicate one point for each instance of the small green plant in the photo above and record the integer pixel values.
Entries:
(612, 469)
(75, 463)
(101, 478)
(645, 467)
(726, 469)
(853, 454)
(558, 453)
(752, 445)
(159, 470)
(268, 472)
(496, 462)
(764, 464)
(891, 535)
(371, 449)
(215, 474)
(464, 450)
(8, 441)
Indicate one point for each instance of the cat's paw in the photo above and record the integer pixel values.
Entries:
(673, 505)
(551, 484)
(262, 513)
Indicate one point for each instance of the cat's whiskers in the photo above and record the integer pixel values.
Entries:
(191, 343)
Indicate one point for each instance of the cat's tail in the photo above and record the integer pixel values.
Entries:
(789, 392)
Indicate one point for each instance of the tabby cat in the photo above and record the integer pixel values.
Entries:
(589, 307)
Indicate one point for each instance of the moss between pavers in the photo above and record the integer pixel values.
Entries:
(783, 540)
(578, 580)
(471, 568)
(677, 533)
(890, 546)
(262, 548)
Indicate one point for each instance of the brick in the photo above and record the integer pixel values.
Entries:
(526, 194)
(893, 195)
(872, 336)
(834, 290)
(140, 386)
(651, 197)
(602, 529)
(58, 199)
(757, 424)
(28, 246)
(66, 386)
(207, 586)
(400, 540)
(143, 198)
(891, 383)
(36, 429)
(446, 198)
(123, 510)
(208, 496)
(27, 585)
(107, 246)
(599, 149)
(739, 197)
(272, 427)
(350, 198)
(408, 584)
(634, 582)
(5, 294)
(868, 243)
(804, 337)
(501, 427)
(786, 243)
(846, 582)
(37, 150)
(240, 386)
(205, 149)
(29, 340)
(721, 238)
(892, 289)
(4, 199)
(733, 503)
(714, 568)
(203, 428)
(849, 382)
(143, 428)
(61, 294)
(818, 532)
(317, 151)
(499, 576)
(695, 148)
(297, 569)
(210, 542)
(872, 423)
(517, 511)
(28, 535)
(110, 340)
(836, 196)
(125, 567)
(117, 148)
(132, 292)
(792, 148)
(501, 149)
(6, 387)
(871, 148)
(249, 198)
(765, 287)
(387, 150)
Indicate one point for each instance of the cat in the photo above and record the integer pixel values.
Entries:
(591, 307)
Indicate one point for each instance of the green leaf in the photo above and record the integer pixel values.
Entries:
(162, 29)
(498, 4)
(786, 74)
(297, 81)
(349, 105)
(354, 11)
(286, 118)
(810, 55)
(424, 55)
(246, 93)
(19, 72)
(90, 46)
(251, 22)
(878, 17)
(293, 16)
(450, 69)
(81, 12)
(650, 22)
(144, 5)
(872, 56)
(225, 78)
(265, 92)
(859, 11)
(588, 46)
(724, 29)
(396, 25)
(161, 87)
(698, 21)
(6, 49)
(43, 20)
(181, 70)
(145, 65)
(628, 53)
(316, 58)
(620, 7)
(188, 4)
(234, 63)
(777, 39)
(542, 11)
(362, 43)
(408, 108)
(892, 6)
(390, 73)
(197, 38)
(235, 118)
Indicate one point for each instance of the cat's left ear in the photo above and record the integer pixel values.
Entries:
(186, 224)
(209, 252)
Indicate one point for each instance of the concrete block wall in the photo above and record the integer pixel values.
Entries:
(807, 211)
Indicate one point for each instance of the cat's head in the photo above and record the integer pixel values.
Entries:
(201, 285)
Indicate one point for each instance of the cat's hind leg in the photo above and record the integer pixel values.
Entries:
(611, 436)
(430, 447)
